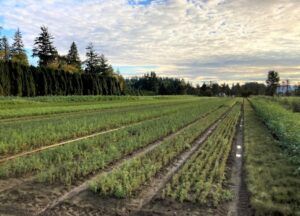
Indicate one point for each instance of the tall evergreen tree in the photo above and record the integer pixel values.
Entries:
(104, 67)
(73, 56)
(92, 61)
(17, 50)
(43, 47)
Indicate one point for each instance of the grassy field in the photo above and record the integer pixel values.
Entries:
(156, 155)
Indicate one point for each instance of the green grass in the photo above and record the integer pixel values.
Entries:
(290, 103)
(283, 123)
(271, 178)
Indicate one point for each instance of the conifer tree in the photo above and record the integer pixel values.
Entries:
(4, 49)
(17, 50)
(43, 48)
(104, 67)
(92, 61)
(73, 56)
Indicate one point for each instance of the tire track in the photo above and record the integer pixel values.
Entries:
(235, 174)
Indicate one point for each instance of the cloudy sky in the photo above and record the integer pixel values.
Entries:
(198, 40)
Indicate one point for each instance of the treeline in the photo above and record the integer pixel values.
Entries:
(20, 80)
(67, 74)
(56, 74)
(151, 84)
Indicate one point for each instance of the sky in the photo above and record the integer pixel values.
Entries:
(197, 40)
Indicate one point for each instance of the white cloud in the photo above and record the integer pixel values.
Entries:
(224, 40)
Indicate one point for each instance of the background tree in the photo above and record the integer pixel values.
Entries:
(43, 48)
(236, 90)
(104, 68)
(73, 57)
(92, 61)
(18, 53)
(272, 82)
(4, 49)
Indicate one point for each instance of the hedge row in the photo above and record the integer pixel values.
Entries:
(20, 80)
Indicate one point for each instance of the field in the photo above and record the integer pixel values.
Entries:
(160, 155)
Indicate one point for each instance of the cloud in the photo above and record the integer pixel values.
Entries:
(221, 40)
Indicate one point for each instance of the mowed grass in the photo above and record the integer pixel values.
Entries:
(273, 181)
(283, 123)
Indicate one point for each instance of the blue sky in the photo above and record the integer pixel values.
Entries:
(198, 40)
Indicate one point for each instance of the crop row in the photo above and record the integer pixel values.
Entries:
(284, 123)
(201, 179)
(67, 163)
(270, 176)
(125, 180)
(16, 107)
(18, 137)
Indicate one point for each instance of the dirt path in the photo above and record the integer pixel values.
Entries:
(239, 206)
(236, 170)
(84, 186)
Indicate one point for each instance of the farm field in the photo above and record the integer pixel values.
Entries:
(163, 155)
